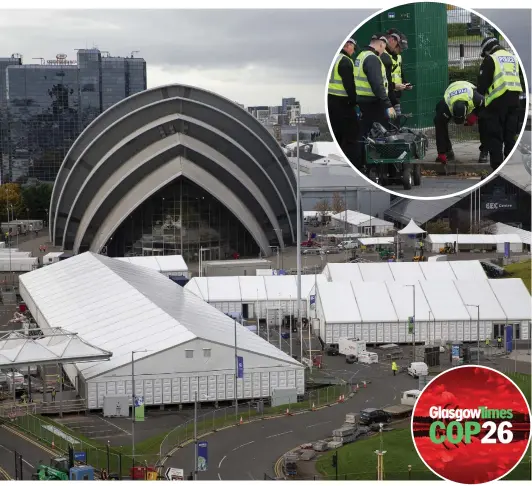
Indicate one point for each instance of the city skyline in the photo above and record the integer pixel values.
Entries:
(257, 66)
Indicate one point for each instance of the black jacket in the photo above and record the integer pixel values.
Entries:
(372, 69)
(345, 70)
(386, 58)
(487, 70)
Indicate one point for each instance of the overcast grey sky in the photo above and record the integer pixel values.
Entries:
(250, 56)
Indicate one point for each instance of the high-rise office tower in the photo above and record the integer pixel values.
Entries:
(44, 107)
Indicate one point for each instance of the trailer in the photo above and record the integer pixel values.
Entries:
(52, 257)
(351, 346)
(18, 264)
(405, 408)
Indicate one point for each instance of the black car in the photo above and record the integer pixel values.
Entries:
(351, 358)
(333, 350)
(370, 416)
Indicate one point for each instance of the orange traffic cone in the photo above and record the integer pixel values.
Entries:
(357, 387)
(365, 385)
(313, 407)
(287, 411)
(241, 421)
(53, 444)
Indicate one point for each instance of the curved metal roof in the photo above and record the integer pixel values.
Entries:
(146, 141)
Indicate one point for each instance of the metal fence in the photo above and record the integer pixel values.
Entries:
(215, 420)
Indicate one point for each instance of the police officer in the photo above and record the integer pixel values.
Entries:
(499, 342)
(372, 89)
(394, 368)
(501, 82)
(393, 62)
(461, 102)
(341, 101)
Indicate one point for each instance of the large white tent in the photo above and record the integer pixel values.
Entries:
(475, 242)
(405, 272)
(505, 229)
(378, 312)
(169, 265)
(255, 296)
(356, 222)
(411, 229)
(190, 345)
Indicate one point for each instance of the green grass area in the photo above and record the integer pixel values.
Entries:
(520, 270)
(465, 39)
(357, 461)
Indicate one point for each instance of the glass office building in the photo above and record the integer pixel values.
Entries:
(44, 107)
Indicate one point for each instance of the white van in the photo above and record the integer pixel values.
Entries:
(418, 369)
(410, 397)
(348, 245)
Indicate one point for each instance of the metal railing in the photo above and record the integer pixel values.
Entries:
(215, 420)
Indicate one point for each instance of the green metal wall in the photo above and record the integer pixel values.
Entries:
(425, 63)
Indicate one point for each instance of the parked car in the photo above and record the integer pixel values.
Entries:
(333, 350)
(370, 416)
(418, 369)
(351, 358)
(348, 245)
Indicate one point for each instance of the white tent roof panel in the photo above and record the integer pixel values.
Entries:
(435, 270)
(281, 287)
(468, 270)
(467, 239)
(376, 272)
(307, 283)
(444, 300)
(252, 288)
(374, 302)
(403, 302)
(513, 297)
(338, 303)
(505, 229)
(411, 229)
(344, 272)
(477, 292)
(163, 263)
(224, 289)
(407, 272)
(378, 240)
(122, 307)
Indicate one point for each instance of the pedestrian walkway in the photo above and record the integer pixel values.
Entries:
(466, 155)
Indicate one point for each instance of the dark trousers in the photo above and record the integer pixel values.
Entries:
(499, 127)
(372, 112)
(441, 126)
(345, 125)
(394, 372)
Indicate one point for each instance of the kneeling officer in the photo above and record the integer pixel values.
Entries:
(461, 102)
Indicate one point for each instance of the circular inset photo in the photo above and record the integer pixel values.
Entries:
(427, 100)
(471, 425)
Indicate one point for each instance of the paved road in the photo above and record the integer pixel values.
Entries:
(250, 451)
(32, 453)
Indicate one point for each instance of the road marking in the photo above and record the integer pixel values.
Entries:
(119, 428)
(278, 435)
(251, 476)
(31, 441)
(219, 477)
(243, 445)
(4, 473)
(319, 423)
(220, 465)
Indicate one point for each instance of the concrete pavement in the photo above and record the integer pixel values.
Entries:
(251, 450)
(32, 452)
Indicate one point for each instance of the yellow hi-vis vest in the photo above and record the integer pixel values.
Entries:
(336, 86)
(460, 91)
(363, 88)
(506, 76)
(397, 73)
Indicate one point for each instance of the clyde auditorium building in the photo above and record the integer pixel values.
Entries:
(169, 171)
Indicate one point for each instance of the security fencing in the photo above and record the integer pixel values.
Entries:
(215, 420)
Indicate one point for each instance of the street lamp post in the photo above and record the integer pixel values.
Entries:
(478, 329)
(279, 234)
(413, 321)
(133, 403)
(298, 120)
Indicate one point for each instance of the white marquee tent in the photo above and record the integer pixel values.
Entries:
(123, 308)
(404, 271)
(475, 242)
(254, 295)
(169, 265)
(378, 312)
(356, 222)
